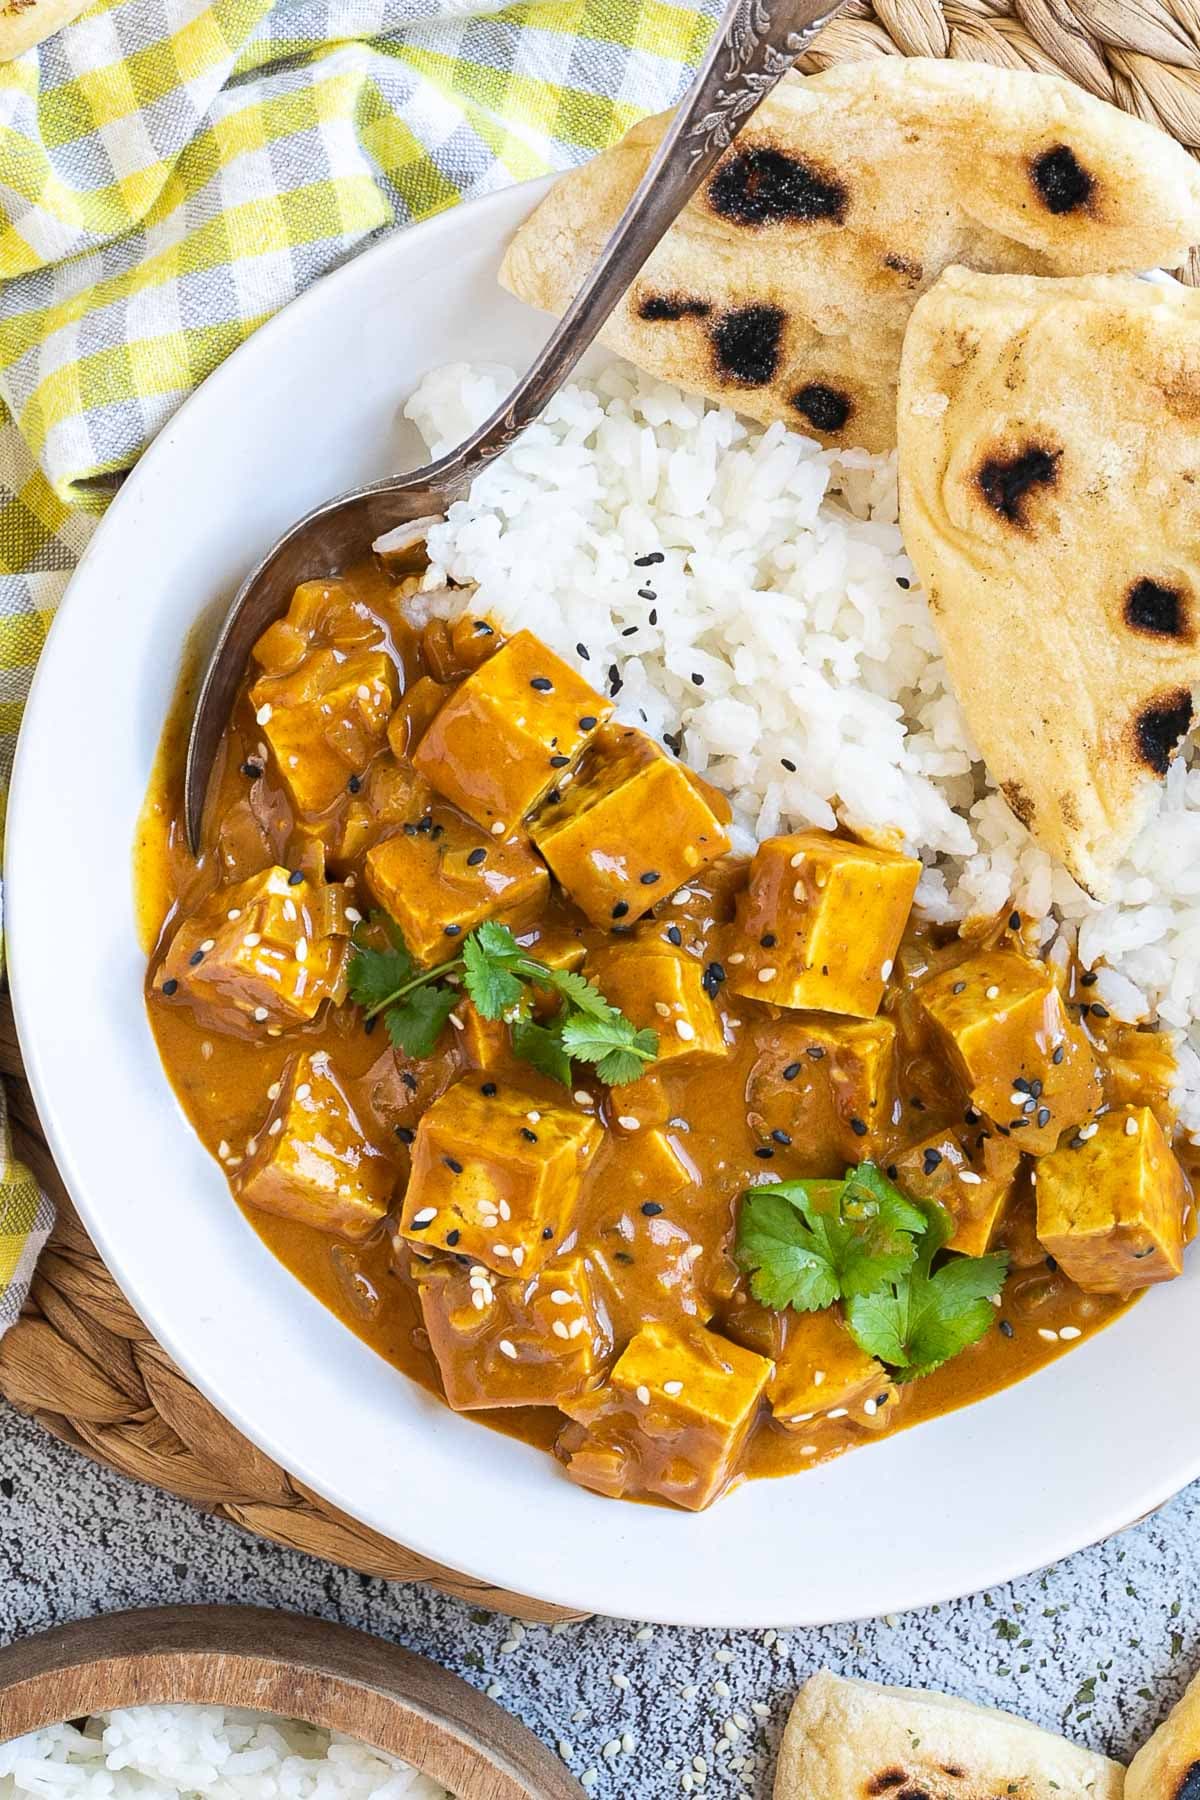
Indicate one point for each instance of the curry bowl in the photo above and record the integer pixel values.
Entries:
(960, 1502)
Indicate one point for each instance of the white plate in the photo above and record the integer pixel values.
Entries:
(308, 407)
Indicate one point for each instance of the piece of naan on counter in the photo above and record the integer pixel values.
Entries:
(846, 1739)
(1050, 500)
(1167, 1767)
(786, 284)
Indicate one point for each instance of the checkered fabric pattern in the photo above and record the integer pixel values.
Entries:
(172, 172)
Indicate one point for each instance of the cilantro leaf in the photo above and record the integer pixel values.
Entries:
(493, 986)
(415, 1023)
(497, 943)
(808, 1243)
(610, 1042)
(920, 1321)
(542, 1046)
(582, 994)
(374, 975)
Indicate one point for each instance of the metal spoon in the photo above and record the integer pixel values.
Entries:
(755, 45)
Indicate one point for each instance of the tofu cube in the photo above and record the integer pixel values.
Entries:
(820, 923)
(508, 734)
(267, 952)
(1113, 1210)
(971, 1172)
(821, 1373)
(653, 1166)
(415, 712)
(324, 721)
(309, 1160)
(534, 1342)
(828, 1085)
(496, 1175)
(1022, 1060)
(671, 1419)
(439, 878)
(327, 612)
(655, 988)
(630, 827)
(482, 1043)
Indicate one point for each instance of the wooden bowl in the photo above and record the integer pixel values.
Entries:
(282, 1663)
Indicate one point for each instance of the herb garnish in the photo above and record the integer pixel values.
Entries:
(808, 1243)
(499, 977)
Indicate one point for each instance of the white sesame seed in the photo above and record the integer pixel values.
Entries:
(505, 1210)
(263, 715)
(273, 1091)
(971, 1179)
(251, 939)
(353, 916)
(565, 1750)
(560, 1297)
(818, 1377)
(251, 1146)
(260, 1013)
(796, 860)
(508, 1349)
(870, 1407)
(839, 1412)
(533, 1117)
(581, 1097)
(577, 1327)
(223, 1150)
(1069, 1332)
(498, 828)
(1051, 1337)
(662, 1009)
(886, 969)
(722, 1690)
(1131, 1127)
(643, 1393)
(501, 1250)
(769, 974)
(993, 993)
(1088, 1131)
(672, 1388)
(304, 1090)
(627, 1122)
(737, 957)
(301, 950)
(798, 891)
(426, 1216)
(559, 1329)
(684, 1030)
(274, 1128)
(518, 1256)
(457, 1022)
(682, 896)
(207, 945)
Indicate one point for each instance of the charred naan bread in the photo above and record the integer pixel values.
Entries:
(786, 285)
(849, 1739)
(1050, 499)
(1168, 1767)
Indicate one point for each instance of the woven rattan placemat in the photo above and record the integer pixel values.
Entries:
(80, 1360)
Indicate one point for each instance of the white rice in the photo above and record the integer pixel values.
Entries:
(784, 585)
(168, 1752)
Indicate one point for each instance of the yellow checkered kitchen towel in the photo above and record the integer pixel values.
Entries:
(173, 172)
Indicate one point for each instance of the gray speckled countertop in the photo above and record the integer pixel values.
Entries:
(1098, 1646)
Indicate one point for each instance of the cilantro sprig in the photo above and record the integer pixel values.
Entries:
(500, 978)
(809, 1243)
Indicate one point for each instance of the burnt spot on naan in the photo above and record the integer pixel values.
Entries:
(1068, 810)
(825, 408)
(1189, 1784)
(954, 1772)
(1020, 802)
(763, 186)
(1159, 727)
(659, 308)
(885, 1782)
(1060, 180)
(1156, 610)
(912, 1793)
(907, 266)
(1006, 481)
(746, 344)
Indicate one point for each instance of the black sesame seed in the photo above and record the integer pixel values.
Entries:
(1052, 1265)
(296, 877)
(1014, 921)
(651, 557)
(420, 1224)
(892, 1172)
(369, 1026)
(1017, 1124)
(629, 631)
(488, 1089)
(623, 1256)
(902, 581)
(765, 1152)
(1099, 1012)
(410, 829)
(559, 762)
(170, 986)
(1043, 1117)
(674, 741)
(547, 1234)
(653, 620)
(1006, 1329)
(405, 1133)
(932, 1160)
(482, 628)
(674, 935)
(1035, 1088)
(409, 1080)
(252, 769)
(971, 1116)
(197, 956)
(816, 1052)
(781, 1137)
(620, 909)
(768, 940)
(698, 679)
(651, 1208)
(960, 987)
(791, 1072)
(1059, 1054)
(529, 1136)
(788, 764)
(541, 684)
(454, 1166)
(1020, 1085)
(354, 785)
(712, 978)
(451, 930)
(1089, 978)
(1030, 1105)
(648, 877)
(475, 858)
(858, 1127)
(581, 650)
(587, 723)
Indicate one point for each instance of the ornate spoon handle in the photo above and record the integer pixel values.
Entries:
(755, 45)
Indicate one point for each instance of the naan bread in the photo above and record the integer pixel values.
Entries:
(1050, 500)
(24, 23)
(847, 1740)
(786, 285)
(1168, 1767)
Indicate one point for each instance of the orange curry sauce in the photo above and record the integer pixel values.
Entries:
(653, 1249)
